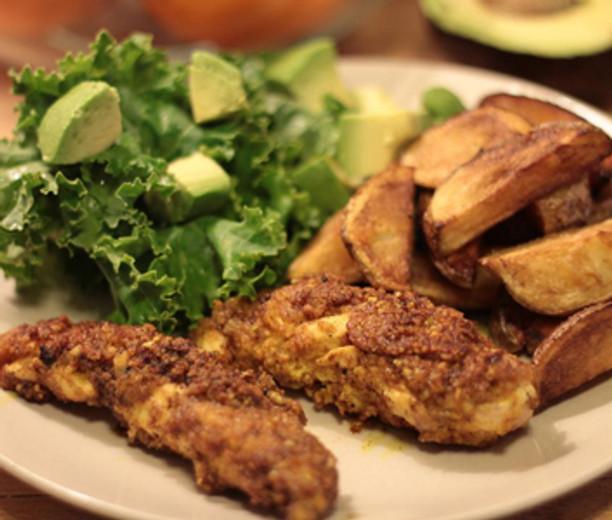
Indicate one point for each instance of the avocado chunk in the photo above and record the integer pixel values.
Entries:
(80, 124)
(370, 137)
(320, 178)
(203, 188)
(554, 29)
(309, 72)
(215, 87)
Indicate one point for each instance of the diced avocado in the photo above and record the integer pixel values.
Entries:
(309, 71)
(554, 29)
(215, 87)
(320, 178)
(371, 136)
(82, 123)
(203, 188)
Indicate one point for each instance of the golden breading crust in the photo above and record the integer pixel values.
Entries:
(395, 356)
(234, 425)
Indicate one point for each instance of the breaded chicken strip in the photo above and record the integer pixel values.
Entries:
(372, 353)
(235, 426)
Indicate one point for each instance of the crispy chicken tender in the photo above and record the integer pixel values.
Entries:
(373, 353)
(235, 426)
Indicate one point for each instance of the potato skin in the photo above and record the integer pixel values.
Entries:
(536, 111)
(567, 207)
(440, 150)
(577, 351)
(378, 227)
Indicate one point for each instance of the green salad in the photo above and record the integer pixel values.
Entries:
(101, 181)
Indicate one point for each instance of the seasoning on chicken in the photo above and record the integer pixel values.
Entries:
(235, 426)
(373, 353)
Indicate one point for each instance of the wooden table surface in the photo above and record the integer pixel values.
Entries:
(397, 29)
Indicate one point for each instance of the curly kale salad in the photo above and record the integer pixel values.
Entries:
(173, 184)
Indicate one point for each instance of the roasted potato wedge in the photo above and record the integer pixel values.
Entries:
(460, 266)
(602, 210)
(602, 205)
(559, 273)
(440, 150)
(500, 181)
(427, 281)
(577, 351)
(536, 111)
(378, 227)
(423, 200)
(606, 167)
(567, 207)
(515, 328)
(326, 254)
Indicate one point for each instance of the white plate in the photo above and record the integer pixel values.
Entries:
(75, 455)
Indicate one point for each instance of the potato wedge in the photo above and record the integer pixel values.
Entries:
(602, 205)
(539, 329)
(559, 273)
(442, 149)
(502, 180)
(577, 351)
(536, 111)
(606, 166)
(423, 200)
(602, 210)
(460, 266)
(378, 227)
(427, 281)
(515, 328)
(567, 207)
(326, 254)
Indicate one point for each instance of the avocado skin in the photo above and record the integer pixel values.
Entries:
(580, 30)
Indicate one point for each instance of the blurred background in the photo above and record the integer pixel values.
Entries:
(39, 31)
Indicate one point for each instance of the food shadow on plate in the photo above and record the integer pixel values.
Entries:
(519, 451)
(588, 397)
(95, 303)
(99, 425)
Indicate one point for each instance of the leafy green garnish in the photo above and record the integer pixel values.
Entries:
(441, 104)
(92, 215)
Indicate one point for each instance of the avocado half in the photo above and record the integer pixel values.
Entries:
(548, 28)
